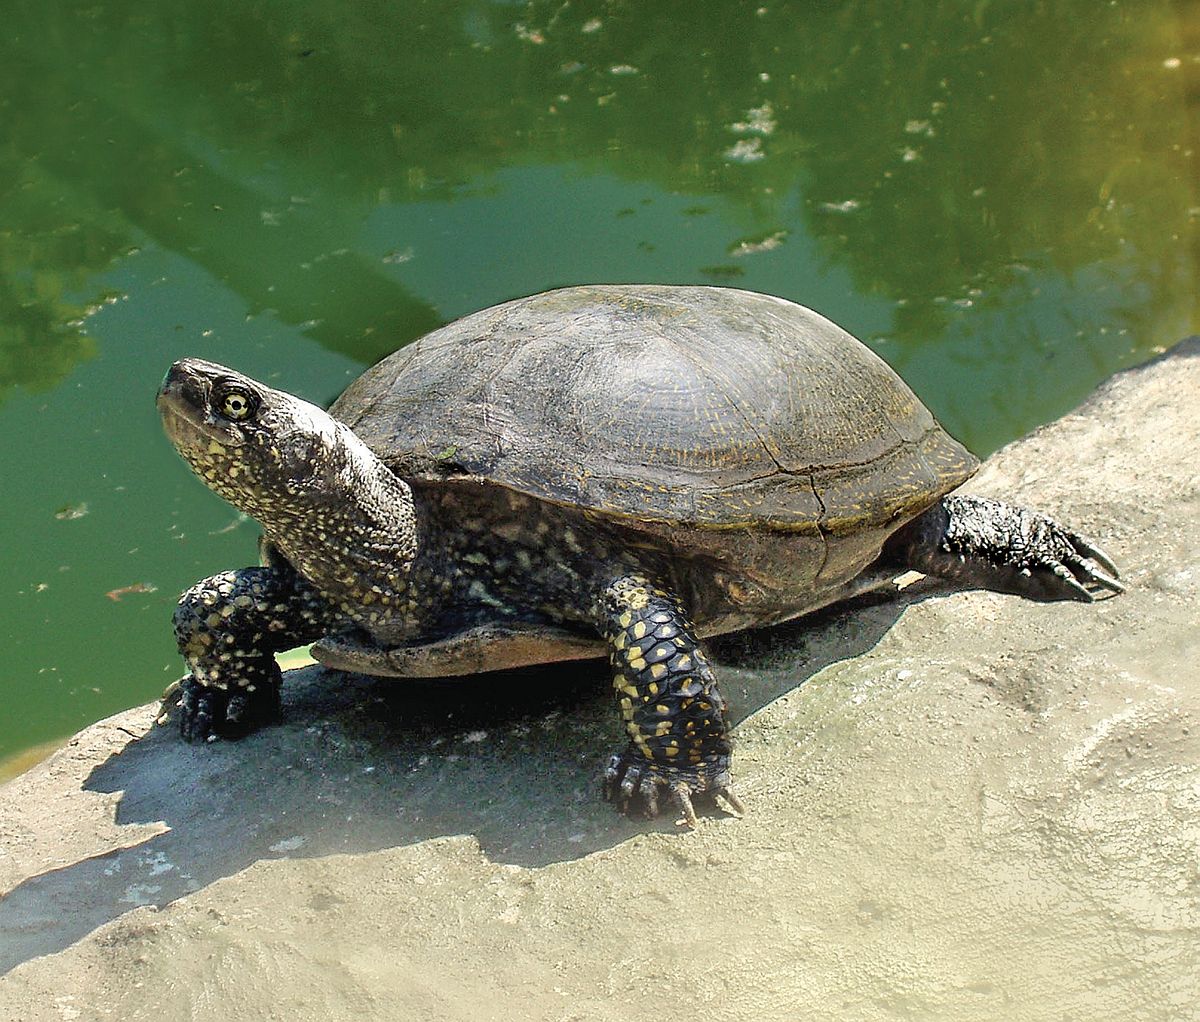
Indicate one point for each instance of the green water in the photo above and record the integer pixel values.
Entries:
(1000, 197)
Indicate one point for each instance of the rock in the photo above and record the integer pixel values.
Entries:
(962, 806)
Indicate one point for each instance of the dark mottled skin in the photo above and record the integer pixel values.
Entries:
(426, 550)
(1009, 549)
(667, 694)
(228, 628)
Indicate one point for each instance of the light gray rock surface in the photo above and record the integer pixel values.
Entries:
(974, 807)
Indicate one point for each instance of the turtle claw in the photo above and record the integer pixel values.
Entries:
(682, 797)
(1084, 571)
(1069, 586)
(732, 800)
(207, 713)
(1102, 578)
(629, 779)
(1090, 552)
(1081, 568)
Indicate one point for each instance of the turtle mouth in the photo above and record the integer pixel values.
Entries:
(183, 427)
(183, 402)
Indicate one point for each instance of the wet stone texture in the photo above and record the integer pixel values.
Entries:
(960, 806)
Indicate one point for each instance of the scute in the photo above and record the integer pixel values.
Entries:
(694, 405)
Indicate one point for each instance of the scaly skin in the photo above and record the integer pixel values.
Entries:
(993, 545)
(228, 628)
(667, 694)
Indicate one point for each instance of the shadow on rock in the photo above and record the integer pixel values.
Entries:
(361, 764)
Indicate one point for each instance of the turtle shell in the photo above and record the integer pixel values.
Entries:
(702, 406)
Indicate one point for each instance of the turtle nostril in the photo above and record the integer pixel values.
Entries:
(183, 385)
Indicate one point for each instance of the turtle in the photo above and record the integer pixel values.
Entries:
(604, 470)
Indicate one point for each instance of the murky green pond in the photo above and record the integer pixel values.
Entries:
(1000, 197)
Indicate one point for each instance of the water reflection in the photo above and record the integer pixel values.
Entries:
(942, 154)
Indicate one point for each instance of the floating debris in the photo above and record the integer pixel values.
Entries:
(69, 512)
(762, 243)
(848, 206)
(760, 120)
(137, 587)
(529, 35)
(239, 519)
(745, 150)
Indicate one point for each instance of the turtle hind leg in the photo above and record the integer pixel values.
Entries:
(1010, 549)
(669, 702)
(228, 628)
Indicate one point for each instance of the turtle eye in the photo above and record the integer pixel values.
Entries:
(236, 404)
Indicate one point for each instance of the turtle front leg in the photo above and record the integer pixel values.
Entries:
(669, 702)
(1010, 549)
(228, 628)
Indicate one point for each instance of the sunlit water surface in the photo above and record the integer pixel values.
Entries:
(1000, 198)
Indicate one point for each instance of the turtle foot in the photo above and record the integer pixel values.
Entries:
(1011, 549)
(1062, 564)
(630, 779)
(207, 713)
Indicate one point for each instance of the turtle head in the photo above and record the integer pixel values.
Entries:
(340, 516)
(264, 451)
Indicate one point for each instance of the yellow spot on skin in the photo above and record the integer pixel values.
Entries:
(621, 641)
(638, 663)
(663, 728)
(626, 619)
(639, 630)
(630, 691)
(658, 670)
(684, 662)
(660, 708)
(652, 689)
(215, 448)
(671, 752)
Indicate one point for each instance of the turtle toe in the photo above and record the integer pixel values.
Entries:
(207, 713)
